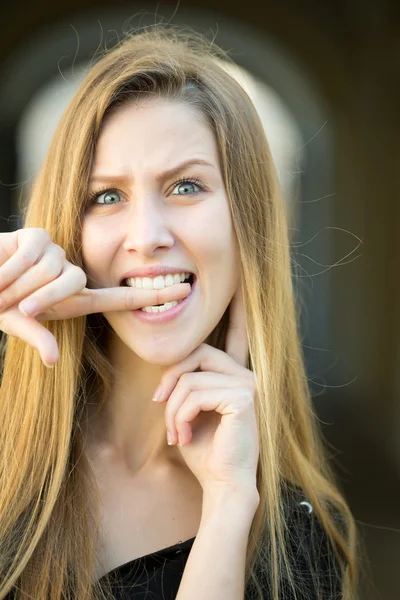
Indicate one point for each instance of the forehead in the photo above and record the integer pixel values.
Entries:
(153, 134)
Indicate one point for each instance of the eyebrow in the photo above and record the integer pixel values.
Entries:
(124, 177)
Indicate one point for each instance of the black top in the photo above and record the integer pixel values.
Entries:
(157, 576)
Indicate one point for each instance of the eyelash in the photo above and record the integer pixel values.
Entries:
(93, 197)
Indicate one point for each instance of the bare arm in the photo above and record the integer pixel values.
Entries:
(215, 568)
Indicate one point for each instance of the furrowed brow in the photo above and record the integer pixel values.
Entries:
(125, 177)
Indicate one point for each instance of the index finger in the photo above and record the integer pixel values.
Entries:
(236, 345)
(101, 300)
(19, 250)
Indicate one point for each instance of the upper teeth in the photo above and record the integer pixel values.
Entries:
(157, 283)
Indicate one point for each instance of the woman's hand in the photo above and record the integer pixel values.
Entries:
(212, 413)
(33, 268)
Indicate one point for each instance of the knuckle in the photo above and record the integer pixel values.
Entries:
(57, 251)
(28, 257)
(180, 417)
(170, 414)
(182, 387)
(184, 379)
(80, 275)
(40, 233)
(179, 420)
(61, 252)
(83, 278)
(44, 234)
(129, 299)
(51, 267)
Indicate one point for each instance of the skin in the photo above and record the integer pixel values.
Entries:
(154, 222)
(206, 486)
(153, 494)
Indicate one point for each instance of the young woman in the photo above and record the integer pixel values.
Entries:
(159, 189)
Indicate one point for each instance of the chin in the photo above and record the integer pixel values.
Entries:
(164, 352)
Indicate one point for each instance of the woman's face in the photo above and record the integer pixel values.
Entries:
(148, 219)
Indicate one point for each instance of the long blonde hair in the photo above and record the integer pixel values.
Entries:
(48, 501)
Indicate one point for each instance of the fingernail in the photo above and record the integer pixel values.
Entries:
(28, 307)
(48, 366)
(169, 438)
(157, 394)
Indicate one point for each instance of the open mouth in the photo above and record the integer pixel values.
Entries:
(191, 279)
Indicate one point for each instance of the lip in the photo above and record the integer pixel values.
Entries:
(167, 315)
(154, 272)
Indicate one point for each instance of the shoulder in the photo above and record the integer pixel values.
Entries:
(312, 559)
(312, 553)
(302, 521)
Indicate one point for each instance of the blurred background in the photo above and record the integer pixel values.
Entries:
(324, 76)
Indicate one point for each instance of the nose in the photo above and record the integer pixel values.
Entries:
(146, 226)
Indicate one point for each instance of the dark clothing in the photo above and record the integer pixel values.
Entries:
(157, 576)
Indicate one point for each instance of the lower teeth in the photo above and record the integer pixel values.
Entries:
(162, 308)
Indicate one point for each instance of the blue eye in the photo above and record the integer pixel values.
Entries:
(188, 184)
(112, 194)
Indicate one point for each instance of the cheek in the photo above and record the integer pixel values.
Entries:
(217, 243)
(95, 252)
(212, 232)
(215, 251)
